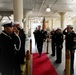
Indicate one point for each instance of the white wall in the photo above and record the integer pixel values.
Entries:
(56, 23)
(74, 23)
(68, 22)
(48, 23)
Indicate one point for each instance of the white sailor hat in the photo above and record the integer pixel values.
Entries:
(59, 28)
(8, 23)
(16, 22)
(71, 26)
(39, 26)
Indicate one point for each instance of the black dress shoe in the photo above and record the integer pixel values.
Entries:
(22, 63)
(21, 72)
(52, 55)
(58, 62)
(72, 72)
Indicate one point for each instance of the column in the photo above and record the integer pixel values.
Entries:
(74, 24)
(62, 19)
(51, 23)
(18, 11)
(26, 23)
(0, 27)
(46, 24)
(0, 24)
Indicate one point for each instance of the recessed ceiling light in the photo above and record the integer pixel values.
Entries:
(41, 18)
(70, 6)
(31, 12)
(70, 18)
(66, 13)
(48, 9)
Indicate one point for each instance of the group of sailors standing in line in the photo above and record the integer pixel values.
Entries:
(12, 48)
(57, 39)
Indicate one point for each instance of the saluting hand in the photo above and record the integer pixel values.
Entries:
(65, 28)
(17, 32)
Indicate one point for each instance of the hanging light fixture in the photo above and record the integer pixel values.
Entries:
(48, 9)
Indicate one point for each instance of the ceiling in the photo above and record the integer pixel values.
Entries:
(38, 7)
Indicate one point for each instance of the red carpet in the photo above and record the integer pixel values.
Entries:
(42, 65)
